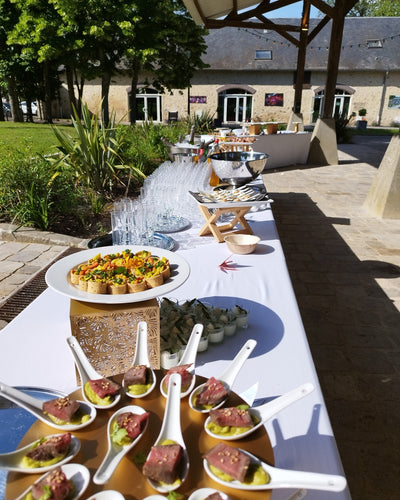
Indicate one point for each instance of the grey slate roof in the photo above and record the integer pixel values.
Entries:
(234, 48)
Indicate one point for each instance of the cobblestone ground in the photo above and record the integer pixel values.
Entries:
(345, 269)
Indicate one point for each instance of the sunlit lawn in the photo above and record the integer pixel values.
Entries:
(38, 137)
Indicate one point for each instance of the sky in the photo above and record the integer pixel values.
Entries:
(294, 10)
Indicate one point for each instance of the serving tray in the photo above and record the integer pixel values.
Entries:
(128, 479)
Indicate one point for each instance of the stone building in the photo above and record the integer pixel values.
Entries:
(251, 77)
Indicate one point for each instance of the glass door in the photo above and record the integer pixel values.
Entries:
(148, 107)
(237, 108)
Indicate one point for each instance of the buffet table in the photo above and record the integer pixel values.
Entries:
(34, 351)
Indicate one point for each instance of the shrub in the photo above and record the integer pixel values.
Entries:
(203, 123)
(31, 191)
(95, 154)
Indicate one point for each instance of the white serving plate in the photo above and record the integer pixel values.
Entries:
(57, 276)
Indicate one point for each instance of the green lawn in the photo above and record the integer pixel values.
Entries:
(38, 137)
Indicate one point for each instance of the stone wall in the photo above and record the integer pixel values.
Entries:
(371, 91)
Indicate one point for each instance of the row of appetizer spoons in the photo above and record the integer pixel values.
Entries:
(170, 436)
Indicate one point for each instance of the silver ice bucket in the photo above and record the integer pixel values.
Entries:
(238, 167)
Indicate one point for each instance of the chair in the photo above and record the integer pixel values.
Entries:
(172, 116)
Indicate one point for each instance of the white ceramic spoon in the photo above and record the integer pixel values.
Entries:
(34, 406)
(141, 357)
(188, 358)
(107, 495)
(116, 452)
(203, 493)
(87, 372)
(12, 461)
(171, 430)
(77, 473)
(284, 478)
(227, 377)
(265, 411)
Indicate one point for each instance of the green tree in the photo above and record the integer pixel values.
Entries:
(373, 8)
(98, 39)
(163, 41)
(36, 33)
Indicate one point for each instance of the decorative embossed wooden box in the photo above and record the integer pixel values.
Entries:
(107, 333)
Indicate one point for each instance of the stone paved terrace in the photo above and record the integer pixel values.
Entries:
(345, 269)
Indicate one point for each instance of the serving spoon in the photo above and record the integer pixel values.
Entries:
(171, 431)
(78, 474)
(34, 406)
(116, 452)
(227, 377)
(188, 358)
(264, 412)
(87, 372)
(141, 357)
(12, 461)
(203, 493)
(284, 478)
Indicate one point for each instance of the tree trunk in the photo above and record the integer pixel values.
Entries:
(70, 83)
(132, 101)
(16, 111)
(79, 83)
(47, 92)
(105, 89)
(1, 108)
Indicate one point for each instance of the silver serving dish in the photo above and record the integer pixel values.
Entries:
(238, 167)
(177, 153)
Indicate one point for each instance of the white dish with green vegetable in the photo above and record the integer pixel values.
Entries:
(141, 358)
(16, 461)
(87, 373)
(267, 477)
(35, 406)
(259, 415)
(119, 444)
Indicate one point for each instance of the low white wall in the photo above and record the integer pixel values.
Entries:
(284, 148)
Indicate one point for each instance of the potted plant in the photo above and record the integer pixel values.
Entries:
(362, 124)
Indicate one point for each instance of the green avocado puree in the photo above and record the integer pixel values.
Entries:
(256, 475)
(138, 389)
(29, 463)
(77, 419)
(228, 430)
(94, 398)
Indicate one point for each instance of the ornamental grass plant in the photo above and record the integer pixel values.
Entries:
(96, 164)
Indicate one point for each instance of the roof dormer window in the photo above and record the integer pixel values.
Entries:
(374, 44)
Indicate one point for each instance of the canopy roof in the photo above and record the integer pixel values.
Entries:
(256, 14)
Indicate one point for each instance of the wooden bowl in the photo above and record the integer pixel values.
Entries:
(242, 243)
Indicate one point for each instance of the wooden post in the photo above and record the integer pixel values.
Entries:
(333, 57)
(301, 57)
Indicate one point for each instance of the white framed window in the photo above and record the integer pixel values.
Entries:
(148, 105)
(235, 105)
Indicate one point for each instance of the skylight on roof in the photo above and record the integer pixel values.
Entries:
(264, 54)
(374, 44)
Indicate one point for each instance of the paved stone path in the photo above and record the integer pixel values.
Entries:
(345, 269)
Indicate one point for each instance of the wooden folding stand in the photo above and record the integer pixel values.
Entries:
(219, 232)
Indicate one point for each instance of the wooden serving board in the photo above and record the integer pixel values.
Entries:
(128, 478)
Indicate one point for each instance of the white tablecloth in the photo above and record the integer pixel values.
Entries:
(33, 344)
